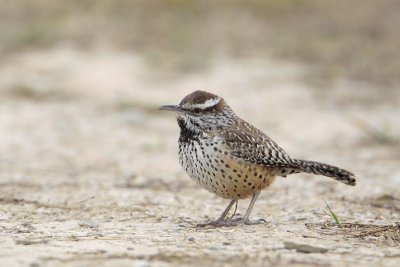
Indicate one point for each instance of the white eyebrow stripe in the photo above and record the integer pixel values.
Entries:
(209, 103)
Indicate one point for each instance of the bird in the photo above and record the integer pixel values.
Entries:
(231, 158)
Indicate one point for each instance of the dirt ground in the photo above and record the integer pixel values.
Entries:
(89, 171)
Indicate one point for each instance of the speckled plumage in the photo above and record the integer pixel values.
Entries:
(231, 158)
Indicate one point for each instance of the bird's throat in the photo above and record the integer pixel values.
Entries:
(188, 131)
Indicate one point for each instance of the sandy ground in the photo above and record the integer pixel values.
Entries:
(89, 171)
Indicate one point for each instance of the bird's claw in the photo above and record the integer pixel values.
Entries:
(232, 222)
(247, 221)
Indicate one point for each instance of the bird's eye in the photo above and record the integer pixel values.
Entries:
(197, 110)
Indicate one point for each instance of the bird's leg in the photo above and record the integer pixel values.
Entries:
(221, 220)
(234, 212)
(228, 208)
(245, 219)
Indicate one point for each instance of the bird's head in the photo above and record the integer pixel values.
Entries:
(201, 111)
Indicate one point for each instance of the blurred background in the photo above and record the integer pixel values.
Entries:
(78, 76)
(81, 139)
(71, 63)
(352, 39)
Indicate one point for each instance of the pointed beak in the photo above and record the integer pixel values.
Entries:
(173, 108)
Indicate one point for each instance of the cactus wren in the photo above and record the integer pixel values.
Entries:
(231, 158)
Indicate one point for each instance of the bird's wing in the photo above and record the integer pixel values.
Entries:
(252, 146)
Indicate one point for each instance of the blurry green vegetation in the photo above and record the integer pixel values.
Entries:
(35, 93)
(348, 39)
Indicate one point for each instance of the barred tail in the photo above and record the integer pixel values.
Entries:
(336, 173)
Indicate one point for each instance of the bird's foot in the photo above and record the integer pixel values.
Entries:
(216, 223)
(232, 222)
(247, 221)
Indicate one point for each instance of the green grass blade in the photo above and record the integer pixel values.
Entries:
(332, 213)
